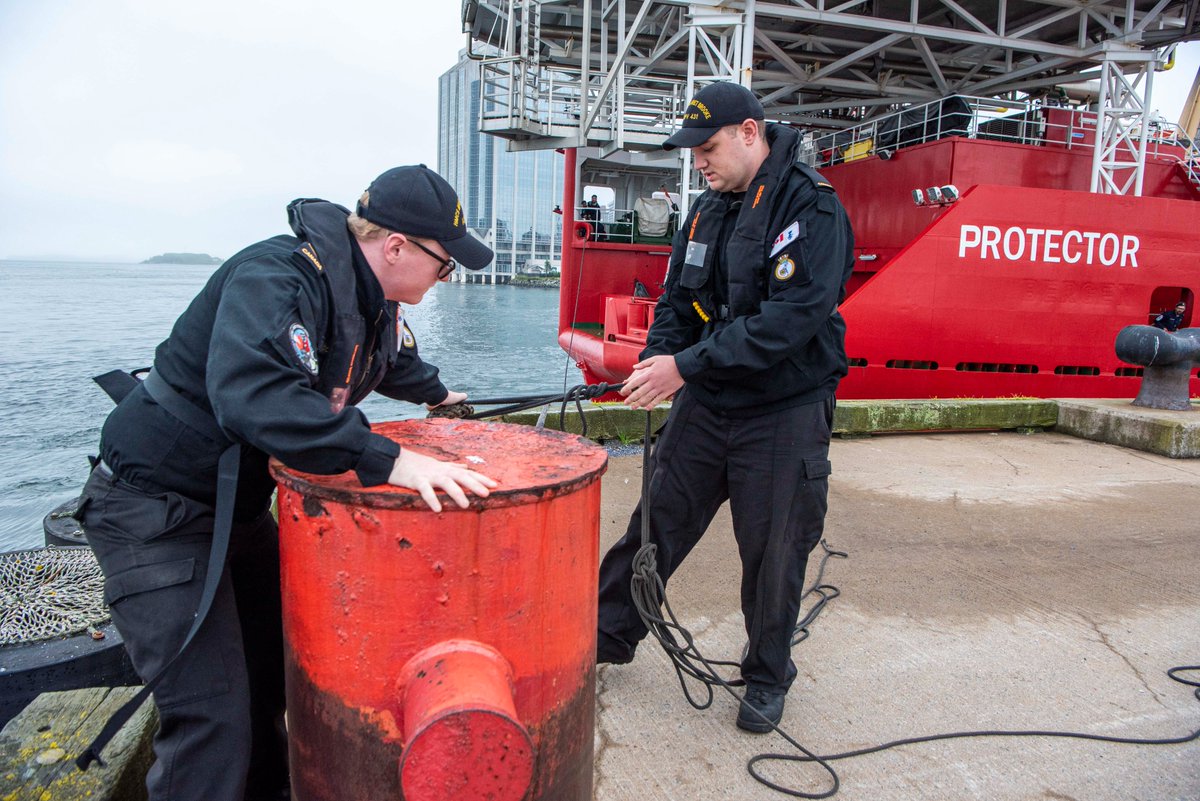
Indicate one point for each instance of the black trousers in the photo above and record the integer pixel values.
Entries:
(774, 470)
(220, 735)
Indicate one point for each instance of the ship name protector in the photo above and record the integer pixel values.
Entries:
(1050, 245)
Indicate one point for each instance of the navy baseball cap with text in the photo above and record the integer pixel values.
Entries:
(711, 109)
(418, 202)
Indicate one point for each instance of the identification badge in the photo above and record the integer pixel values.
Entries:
(787, 237)
(695, 254)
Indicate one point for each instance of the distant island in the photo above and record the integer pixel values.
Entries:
(183, 258)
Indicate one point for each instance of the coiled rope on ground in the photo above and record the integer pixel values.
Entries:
(649, 597)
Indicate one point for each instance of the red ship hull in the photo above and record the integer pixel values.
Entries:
(1018, 288)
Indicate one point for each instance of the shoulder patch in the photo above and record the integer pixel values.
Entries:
(310, 253)
(786, 237)
(302, 345)
(404, 334)
(785, 268)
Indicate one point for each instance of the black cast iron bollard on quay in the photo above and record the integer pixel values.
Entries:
(1168, 357)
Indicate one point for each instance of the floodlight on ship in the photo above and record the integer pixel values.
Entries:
(934, 195)
(950, 193)
(918, 197)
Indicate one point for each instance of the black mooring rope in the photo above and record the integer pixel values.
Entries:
(1173, 674)
(576, 394)
(649, 597)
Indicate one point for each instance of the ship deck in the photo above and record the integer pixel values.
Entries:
(994, 581)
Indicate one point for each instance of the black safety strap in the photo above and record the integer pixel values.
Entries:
(227, 479)
(117, 383)
(182, 409)
(646, 468)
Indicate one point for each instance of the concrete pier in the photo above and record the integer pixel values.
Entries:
(995, 581)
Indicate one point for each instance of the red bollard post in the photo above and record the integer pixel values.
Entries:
(446, 655)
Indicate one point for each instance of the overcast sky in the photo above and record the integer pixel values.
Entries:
(133, 127)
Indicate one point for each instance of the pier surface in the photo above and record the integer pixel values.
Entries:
(995, 581)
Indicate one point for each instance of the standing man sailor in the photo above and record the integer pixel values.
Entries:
(268, 360)
(748, 339)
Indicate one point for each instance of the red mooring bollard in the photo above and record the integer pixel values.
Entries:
(444, 656)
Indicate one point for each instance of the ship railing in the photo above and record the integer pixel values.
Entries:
(1019, 122)
(519, 101)
(1173, 136)
(620, 225)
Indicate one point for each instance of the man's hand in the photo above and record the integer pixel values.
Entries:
(452, 398)
(426, 475)
(653, 381)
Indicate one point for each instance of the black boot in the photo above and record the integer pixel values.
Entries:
(610, 651)
(760, 710)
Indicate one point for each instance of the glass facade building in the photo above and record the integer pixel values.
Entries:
(509, 198)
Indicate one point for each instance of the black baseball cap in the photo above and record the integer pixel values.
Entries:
(418, 202)
(712, 108)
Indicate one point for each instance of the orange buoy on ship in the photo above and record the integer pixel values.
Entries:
(446, 655)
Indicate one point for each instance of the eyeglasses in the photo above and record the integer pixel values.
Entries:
(447, 265)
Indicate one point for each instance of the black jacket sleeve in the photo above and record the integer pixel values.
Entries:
(264, 396)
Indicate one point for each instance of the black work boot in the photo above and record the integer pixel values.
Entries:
(760, 710)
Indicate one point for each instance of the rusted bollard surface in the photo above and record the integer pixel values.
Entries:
(372, 579)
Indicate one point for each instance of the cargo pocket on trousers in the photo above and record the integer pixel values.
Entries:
(147, 578)
(817, 468)
(153, 606)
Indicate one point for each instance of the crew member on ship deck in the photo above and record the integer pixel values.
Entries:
(748, 339)
(1171, 320)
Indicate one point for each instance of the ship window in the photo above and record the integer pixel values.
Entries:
(1164, 299)
(905, 364)
(1071, 369)
(1130, 372)
(995, 367)
(858, 362)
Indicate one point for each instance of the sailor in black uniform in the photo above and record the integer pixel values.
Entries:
(748, 339)
(1171, 320)
(268, 360)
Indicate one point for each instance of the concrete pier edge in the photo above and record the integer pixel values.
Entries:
(1115, 421)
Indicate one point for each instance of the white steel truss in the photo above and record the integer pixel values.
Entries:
(616, 73)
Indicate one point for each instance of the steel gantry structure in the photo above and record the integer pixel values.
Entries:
(615, 74)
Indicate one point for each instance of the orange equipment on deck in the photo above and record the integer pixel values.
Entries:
(452, 655)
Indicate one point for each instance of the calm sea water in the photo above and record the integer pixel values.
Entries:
(61, 323)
